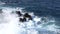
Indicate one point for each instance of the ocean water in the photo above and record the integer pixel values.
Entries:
(45, 14)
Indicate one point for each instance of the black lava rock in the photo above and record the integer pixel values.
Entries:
(26, 15)
(19, 13)
(22, 19)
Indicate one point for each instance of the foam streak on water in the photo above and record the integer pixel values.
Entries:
(39, 25)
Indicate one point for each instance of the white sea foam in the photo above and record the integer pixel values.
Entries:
(38, 25)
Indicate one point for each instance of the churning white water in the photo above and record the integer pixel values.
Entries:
(9, 23)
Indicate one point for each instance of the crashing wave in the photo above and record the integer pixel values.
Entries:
(39, 25)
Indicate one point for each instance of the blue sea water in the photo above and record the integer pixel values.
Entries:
(40, 8)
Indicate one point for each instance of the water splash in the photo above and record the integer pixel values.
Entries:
(39, 25)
